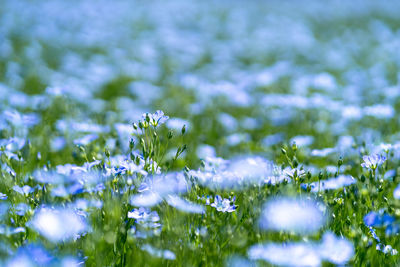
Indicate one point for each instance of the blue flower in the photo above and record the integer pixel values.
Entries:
(3, 196)
(330, 184)
(302, 216)
(24, 190)
(223, 205)
(145, 217)
(166, 254)
(184, 205)
(396, 192)
(374, 219)
(373, 161)
(159, 117)
(58, 224)
(155, 119)
(31, 255)
(294, 173)
(386, 249)
(21, 209)
(87, 139)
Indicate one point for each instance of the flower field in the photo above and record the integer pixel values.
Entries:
(199, 133)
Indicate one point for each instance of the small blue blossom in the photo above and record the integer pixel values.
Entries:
(386, 249)
(21, 209)
(184, 205)
(87, 139)
(143, 214)
(24, 190)
(374, 219)
(156, 118)
(396, 192)
(298, 215)
(294, 173)
(373, 161)
(3, 196)
(31, 255)
(330, 184)
(145, 217)
(59, 224)
(224, 205)
(380, 219)
(166, 254)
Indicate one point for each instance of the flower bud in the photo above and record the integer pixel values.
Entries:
(131, 143)
(295, 163)
(107, 152)
(141, 126)
(203, 164)
(340, 161)
(170, 135)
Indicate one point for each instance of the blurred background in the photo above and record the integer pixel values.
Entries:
(243, 76)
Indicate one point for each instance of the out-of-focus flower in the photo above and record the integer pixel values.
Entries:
(301, 216)
(292, 254)
(58, 224)
(331, 184)
(385, 147)
(166, 254)
(147, 199)
(238, 173)
(378, 219)
(21, 209)
(322, 152)
(380, 111)
(386, 249)
(143, 215)
(396, 192)
(332, 249)
(184, 205)
(335, 249)
(30, 255)
(302, 140)
(24, 190)
(384, 220)
(177, 124)
(145, 218)
(87, 139)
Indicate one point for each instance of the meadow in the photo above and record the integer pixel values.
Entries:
(199, 133)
